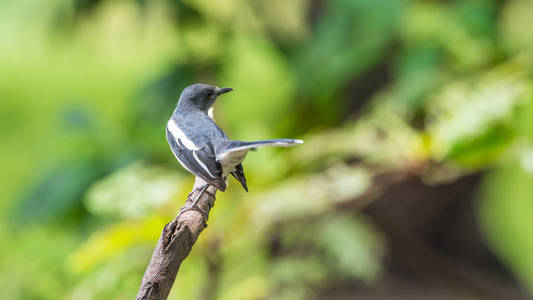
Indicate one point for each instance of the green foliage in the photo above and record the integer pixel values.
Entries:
(58, 194)
(133, 191)
(372, 87)
(506, 213)
(336, 53)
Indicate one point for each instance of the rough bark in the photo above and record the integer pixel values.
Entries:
(175, 243)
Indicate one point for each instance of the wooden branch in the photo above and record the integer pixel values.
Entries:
(175, 243)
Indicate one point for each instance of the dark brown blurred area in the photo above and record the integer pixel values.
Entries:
(436, 247)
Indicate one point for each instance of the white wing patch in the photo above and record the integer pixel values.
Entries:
(201, 163)
(180, 135)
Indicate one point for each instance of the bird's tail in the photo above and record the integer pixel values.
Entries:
(265, 143)
(231, 153)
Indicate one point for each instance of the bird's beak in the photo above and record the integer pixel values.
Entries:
(223, 90)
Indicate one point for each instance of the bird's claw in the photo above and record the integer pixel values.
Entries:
(194, 204)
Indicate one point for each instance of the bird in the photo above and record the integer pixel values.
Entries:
(202, 147)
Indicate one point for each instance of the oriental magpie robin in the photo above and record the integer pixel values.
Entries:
(201, 147)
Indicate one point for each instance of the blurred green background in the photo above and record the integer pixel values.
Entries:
(415, 181)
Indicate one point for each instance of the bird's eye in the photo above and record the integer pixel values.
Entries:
(210, 93)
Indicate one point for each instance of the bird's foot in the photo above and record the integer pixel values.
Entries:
(200, 189)
(194, 204)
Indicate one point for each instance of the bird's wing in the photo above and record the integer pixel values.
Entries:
(199, 161)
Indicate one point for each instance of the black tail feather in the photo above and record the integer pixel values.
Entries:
(239, 175)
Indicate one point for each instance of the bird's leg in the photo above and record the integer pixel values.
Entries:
(194, 205)
(202, 190)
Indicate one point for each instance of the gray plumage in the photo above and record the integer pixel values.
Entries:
(201, 146)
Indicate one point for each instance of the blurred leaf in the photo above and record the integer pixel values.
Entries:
(437, 23)
(58, 192)
(478, 16)
(134, 191)
(31, 261)
(350, 38)
(296, 271)
(418, 73)
(352, 247)
(192, 274)
(482, 150)
(380, 137)
(203, 42)
(259, 97)
(118, 279)
(464, 111)
(153, 105)
(294, 275)
(249, 288)
(506, 213)
(114, 240)
(516, 17)
(286, 19)
(310, 195)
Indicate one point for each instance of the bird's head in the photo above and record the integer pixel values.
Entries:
(201, 95)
